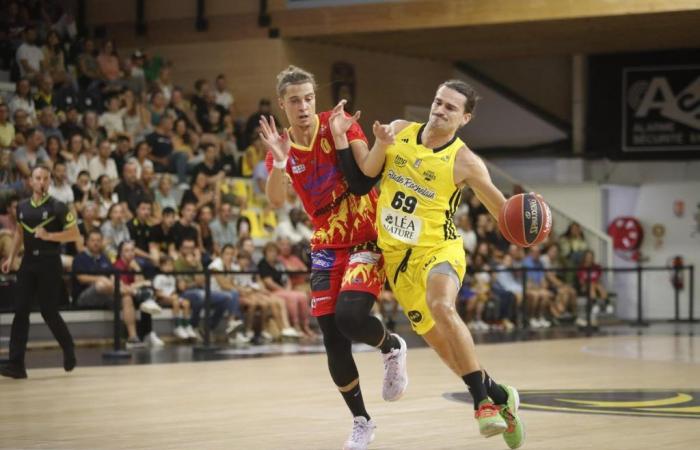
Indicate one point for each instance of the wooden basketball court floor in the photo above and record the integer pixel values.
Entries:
(288, 402)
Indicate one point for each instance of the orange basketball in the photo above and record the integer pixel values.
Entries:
(525, 220)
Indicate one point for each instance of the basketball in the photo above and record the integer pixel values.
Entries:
(525, 220)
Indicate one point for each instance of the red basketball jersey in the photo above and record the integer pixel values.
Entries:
(340, 219)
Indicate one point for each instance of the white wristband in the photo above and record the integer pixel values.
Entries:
(282, 165)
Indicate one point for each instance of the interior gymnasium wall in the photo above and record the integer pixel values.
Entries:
(543, 81)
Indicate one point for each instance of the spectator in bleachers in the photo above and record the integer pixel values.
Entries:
(292, 263)
(30, 58)
(7, 129)
(564, 304)
(102, 163)
(89, 221)
(164, 197)
(214, 118)
(224, 98)
(130, 191)
(60, 188)
(122, 152)
(140, 232)
(272, 304)
(162, 240)
(183, 111)
(201, 193)
(91, 127)
(223, 228)
(9, 177)
(137, 289)
(82, 189)
(165, 286)
(8, 218)
(210, 166)
(597, 291)
(164, 82)
(191, 287)
(112, 120)
(508, 281)
(92, 290)
(479, 283)
(537, 287)
(225, 284)
(22, 100)
(157, 107)
(162, 153)
(573, 244)
(108, 63)
(186, 229)
(22, 124)
(253, 154)
(464, 227)
(134, 75)
(54, 149)
(276, 281)
(88, 68)
(114, 229)
(44, 95)
(47, 123)
(32, 153)
(202, 221)
(294, 228)
(137, 118)
(54, 58)
(184, 142)
(244, 229)
(264, 109)
(140, 157)
(71, 126)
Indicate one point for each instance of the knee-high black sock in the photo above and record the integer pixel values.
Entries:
(475, 383)
(353, 398)
(495, 391)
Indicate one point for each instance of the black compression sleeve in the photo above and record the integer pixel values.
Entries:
(359, 183)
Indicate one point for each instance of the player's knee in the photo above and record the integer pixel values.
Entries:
(442, 309)
(352, 311)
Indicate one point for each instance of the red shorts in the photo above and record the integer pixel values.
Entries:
(358, 268)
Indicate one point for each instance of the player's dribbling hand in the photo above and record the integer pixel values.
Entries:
(41, 233)
(340, 122)
(278, 144)
(383, 133)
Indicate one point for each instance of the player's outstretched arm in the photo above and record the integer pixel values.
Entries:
(279, 145)
(470, 170)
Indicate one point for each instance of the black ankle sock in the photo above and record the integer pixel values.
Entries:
(495, 391)
(389, 343)
(475, 383)
(353, 398)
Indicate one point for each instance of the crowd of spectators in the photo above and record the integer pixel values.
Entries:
(165, 178)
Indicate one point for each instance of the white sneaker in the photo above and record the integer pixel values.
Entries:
(265, 335)
(152, 340)
(150, 307)
(545, 323)
(609, 309)
(180, 332)
(134, 343)
(233, 325)
(481, 325)
(192, 333)
(290, 332)
(395, 373)
(238, 339)
(362, 434)
(534, 323)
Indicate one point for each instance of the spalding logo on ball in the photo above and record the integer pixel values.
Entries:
(525, 220)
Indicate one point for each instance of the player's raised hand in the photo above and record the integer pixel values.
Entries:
(340, 122)
(5, 266)
(278, 143)
(383, 133)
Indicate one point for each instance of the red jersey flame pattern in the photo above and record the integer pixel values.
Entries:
(340, 219)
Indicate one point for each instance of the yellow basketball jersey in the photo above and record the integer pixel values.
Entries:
(418, 193)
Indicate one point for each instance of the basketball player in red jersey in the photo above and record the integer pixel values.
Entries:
(347, 268)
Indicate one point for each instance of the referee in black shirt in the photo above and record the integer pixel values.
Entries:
(44, 224)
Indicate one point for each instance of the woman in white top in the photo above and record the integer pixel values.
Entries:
(106, 197)
(23, 100)
(114, 230)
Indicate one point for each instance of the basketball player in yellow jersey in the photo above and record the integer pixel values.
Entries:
(423, 169)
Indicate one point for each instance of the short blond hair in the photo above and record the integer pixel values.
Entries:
(293, 75)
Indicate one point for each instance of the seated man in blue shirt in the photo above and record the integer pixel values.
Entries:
(93, 291)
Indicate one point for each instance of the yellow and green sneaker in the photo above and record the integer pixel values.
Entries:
(515, 433)
(490, 420)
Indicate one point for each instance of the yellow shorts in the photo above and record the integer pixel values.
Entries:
(409, 278)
